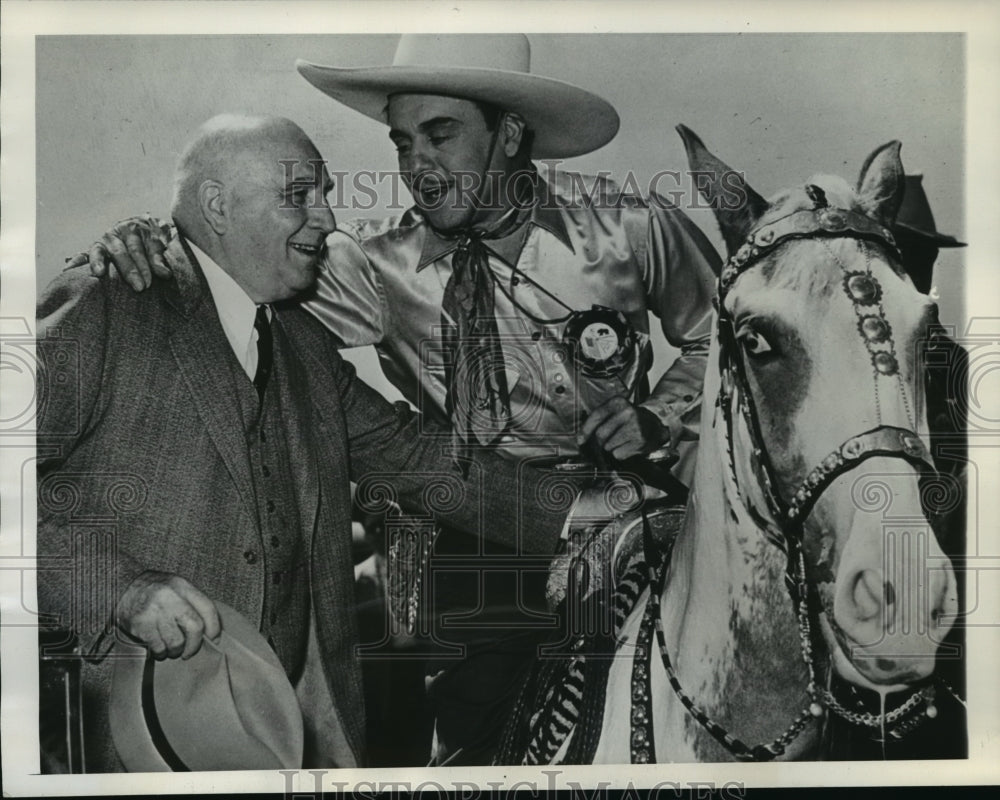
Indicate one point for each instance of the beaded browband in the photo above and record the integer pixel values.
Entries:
(811, 223)
(862, 288)
(865, 293)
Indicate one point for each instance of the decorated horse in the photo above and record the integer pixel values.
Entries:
(806, 559)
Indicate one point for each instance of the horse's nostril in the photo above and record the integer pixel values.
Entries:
(868, 593)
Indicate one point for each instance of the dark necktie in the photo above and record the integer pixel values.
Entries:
(478, 399)
(265, 351)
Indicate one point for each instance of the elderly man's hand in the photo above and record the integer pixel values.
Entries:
(134, 247)
(167, 614)
(623, 430)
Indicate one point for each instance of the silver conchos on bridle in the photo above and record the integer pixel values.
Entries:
(790, 512)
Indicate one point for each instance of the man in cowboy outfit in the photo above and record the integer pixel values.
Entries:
(212, 429)
(511, 302)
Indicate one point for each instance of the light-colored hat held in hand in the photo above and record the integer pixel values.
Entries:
(228, 707)
(490, 68)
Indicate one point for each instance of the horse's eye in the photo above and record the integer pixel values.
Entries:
(754, 342)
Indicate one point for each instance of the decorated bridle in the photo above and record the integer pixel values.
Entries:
(789, 513)
(865, 294)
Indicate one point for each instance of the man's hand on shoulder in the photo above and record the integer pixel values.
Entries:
(134, 248)
(167, 614)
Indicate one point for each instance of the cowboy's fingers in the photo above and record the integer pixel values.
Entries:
(632, 447)
(155, 248)
(612, 425)
(158, 234)
(158, 228)
(136, 242)
(202, 606)
(79, 260)
(598, 416)
(136, 233)
(126, 266)
(626, 441)
(99, 258)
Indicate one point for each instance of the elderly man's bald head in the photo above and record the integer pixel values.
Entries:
(250, 192)
(221, 149)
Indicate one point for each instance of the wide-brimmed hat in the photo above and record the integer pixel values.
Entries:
(491, 68)
(228, 707)
(915, 222)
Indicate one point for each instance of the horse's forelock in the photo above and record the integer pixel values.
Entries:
(812, 277)
(838, 194)
(782, 272)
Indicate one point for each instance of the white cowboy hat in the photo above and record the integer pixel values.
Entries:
(490, 68)
(229, 706)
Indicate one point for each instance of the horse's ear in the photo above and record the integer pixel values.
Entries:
(881, 183)
(737, 207)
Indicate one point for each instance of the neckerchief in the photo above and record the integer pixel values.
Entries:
(478, 398)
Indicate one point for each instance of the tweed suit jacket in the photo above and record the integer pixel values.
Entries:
(143, 464)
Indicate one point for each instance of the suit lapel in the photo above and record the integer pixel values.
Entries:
(205, 360)
(293, 384)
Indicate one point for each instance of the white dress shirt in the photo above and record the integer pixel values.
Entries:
(236, 310)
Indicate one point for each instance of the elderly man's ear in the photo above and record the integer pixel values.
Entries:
(214, 204)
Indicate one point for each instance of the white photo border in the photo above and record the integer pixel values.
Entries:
(22, 21)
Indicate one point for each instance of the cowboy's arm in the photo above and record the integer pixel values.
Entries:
(391, 445)
(677, 262)
(90, 589)
(680, 268)
(134, 248)
(348, 297)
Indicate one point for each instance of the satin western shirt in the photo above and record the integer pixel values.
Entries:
(585, 244)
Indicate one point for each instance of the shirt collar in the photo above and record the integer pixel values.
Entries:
(545, 214)
(236, 309)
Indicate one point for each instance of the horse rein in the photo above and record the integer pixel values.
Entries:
(863, 289)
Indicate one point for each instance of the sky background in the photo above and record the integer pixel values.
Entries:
(113, 113)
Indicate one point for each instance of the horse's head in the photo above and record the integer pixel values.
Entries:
(823, 392)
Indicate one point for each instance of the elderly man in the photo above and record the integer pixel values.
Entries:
(512, 303)
(216, 429)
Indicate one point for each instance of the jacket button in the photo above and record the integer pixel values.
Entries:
(560, 390)
(250, 557)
